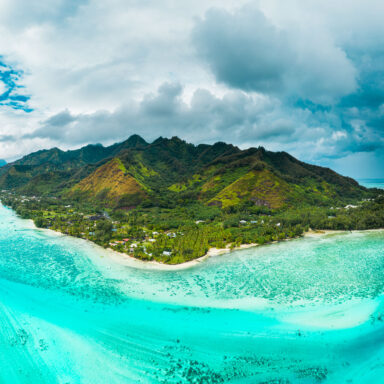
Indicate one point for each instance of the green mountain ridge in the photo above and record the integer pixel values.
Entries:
(168, 172)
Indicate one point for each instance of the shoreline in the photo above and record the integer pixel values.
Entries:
(129, 261)
(126, 260)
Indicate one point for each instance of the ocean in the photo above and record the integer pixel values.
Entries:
(372, 183)
(303, 311)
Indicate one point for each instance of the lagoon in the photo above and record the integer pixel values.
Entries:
(303, 311)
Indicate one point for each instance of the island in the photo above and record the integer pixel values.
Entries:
(170, 201)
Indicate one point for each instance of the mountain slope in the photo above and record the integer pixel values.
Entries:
(261, 187)
(172, 171)
(273, 179)
(110, 183)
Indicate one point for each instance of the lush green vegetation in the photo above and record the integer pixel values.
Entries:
(183, 233)
(171, 201)
(171, 171)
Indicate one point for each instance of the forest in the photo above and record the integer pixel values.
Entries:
(186, 232)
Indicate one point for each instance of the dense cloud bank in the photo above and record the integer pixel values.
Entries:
(302, 77)
(247, 51)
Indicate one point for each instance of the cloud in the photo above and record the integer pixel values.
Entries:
(206, 118)
(21, 13)
(236, 117)
(245, 50)
(305, 77)
(165, 103)
(3, 88)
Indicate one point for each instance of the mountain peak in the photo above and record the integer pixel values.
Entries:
(172, 141)
(135, 141)
(218, 174)
(160, 140)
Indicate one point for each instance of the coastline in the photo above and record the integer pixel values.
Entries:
(125, 259)
(129, 261)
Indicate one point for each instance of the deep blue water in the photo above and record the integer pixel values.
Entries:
(302, 311)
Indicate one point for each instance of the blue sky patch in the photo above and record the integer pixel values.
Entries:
(12, 93)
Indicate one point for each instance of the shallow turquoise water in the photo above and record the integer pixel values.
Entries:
(303, 311)
(372, 183)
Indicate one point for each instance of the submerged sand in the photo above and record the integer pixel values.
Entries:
(125, 259)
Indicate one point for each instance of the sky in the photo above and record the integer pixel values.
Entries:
(302, 77)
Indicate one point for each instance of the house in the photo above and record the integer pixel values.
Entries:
(243, 221)
(167, 253)
(199, 221)
(132, 248)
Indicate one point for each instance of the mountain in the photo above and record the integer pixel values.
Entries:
(112, 183)
(172, 171)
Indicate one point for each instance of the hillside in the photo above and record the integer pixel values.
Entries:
(111, 184)
(263, 188)
(171, 201)
(168, 172)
